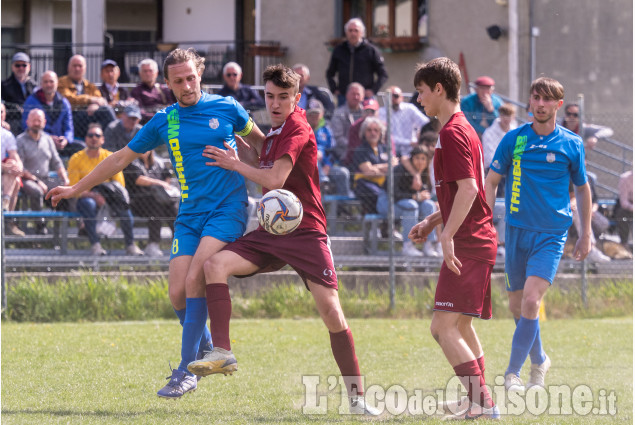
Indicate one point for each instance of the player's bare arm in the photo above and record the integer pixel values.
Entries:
(491, 187)
(255, 138)
(465, 195)
(420, 231)
(271, 178)
(106, 169)
(584, 203)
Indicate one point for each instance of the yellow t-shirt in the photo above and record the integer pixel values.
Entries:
(81, 164)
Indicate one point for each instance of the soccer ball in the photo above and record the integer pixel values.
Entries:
(279, 212)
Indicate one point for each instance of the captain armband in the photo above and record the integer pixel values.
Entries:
(245, 131)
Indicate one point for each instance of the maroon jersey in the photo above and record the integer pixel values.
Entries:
(459, 155)
(296, 139)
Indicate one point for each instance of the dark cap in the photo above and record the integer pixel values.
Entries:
(21, 57)
(484, 81)
(314, 107)
(132, 111)
(108, 62)
(370, 104)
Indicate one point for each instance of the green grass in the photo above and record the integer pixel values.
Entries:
(108, 373)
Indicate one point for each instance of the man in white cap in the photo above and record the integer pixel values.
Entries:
(16, 88)
(481, 108)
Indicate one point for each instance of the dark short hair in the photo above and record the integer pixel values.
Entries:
(547, 87)
(421, 149)
(282, 76)
(440, 71)
(182, 56)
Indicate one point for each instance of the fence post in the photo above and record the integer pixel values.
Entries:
(4, 280)
(391, 205)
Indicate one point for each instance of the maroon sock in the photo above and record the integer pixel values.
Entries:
(470, 375)
(481, 364)
(344, 352)
(219, 307)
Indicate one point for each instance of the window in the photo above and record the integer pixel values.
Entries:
(394, 25)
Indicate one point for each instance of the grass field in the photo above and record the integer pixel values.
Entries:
(108, 373)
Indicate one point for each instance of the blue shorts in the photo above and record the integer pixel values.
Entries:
(226, 224)
(530, 253)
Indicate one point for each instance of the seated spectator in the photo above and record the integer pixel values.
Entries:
(370, 163)
(481, 108)
(312, 92)
(152, 196)
(494, 134)
(120, 132)
(11, 172)
(406, 122)
(16, 88)
(344, 117)
(599, 223)
(244, 94)
(58, 113)
(623, 213)
(85, 98)
(112, 192)
(411, 204)
(39, 156)
(337, 177)
(370, 108)
(591, 132)
(116, 96)
(151, 95)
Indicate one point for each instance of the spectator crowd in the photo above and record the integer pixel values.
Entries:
(60, 128)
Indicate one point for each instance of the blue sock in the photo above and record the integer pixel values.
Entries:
(181, 315)
(536, 354)
(206, 340)
(195, 318)
(522, 341)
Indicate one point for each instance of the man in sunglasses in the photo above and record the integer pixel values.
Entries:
(590, 132)
(16, 88)
(244, 94)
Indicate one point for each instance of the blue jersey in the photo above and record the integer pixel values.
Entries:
(186, 132)
(539, 170)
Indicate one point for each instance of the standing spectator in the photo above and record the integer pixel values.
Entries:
(413, 203)
(312, 92)
(151, 95)
(148, 182)
(244, 94)
(624, 208)
(11, 172)
(370, 163)
(468, 237)
(356, 60)
(590, 132)
(85, 98)
(120, 132)
(406, 122)
(344, 116)
(338, 177)
(481, 108)
(494, 133)
(114, 195)
(58, 113)
(39, 156)
(540, 159)
(16, 88)
(116, 95)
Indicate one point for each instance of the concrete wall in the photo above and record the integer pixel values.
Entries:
(198, 20)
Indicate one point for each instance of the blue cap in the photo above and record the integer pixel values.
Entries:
(21, 57)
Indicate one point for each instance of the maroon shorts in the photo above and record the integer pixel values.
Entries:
(307, 251)
(470, 293)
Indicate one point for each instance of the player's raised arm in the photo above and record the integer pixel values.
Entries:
(106, 169)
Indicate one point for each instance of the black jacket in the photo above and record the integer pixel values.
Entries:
(356, 64)
(12, 92)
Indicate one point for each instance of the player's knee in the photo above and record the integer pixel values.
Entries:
(435, 331)
(531, 304)
(213, 270)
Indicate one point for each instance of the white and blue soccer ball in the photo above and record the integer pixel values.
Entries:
(279, 212)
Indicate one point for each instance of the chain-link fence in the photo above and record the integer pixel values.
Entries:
(368, 222)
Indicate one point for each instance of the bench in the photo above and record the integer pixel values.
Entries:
(370, 229)
(331, 204)
(60, 224)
